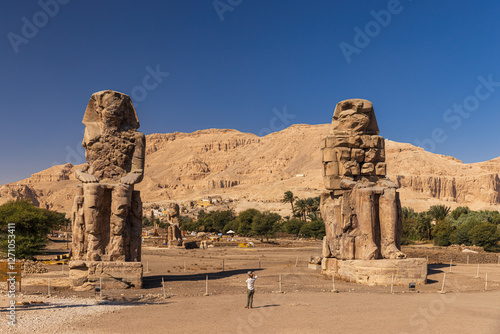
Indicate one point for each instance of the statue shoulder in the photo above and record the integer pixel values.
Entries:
(139, 136)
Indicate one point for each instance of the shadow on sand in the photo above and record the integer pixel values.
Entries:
(433, 269)
(150, 282)
(263, 306)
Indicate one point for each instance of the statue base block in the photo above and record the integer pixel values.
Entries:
(85, 275)
(377, 272)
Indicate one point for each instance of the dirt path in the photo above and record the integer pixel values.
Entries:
(308, 313)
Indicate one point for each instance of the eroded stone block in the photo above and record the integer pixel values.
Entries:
(372, 155)
(367, 169)
(331, 182)
(331, 168)
(358, 154)
(336, 141)
(351, 168)
(343, 154)
(380, 169)
(329, 154)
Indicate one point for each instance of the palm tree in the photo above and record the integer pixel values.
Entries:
(424, 225)
(439, 212)
(408, 212)
(313, 215)
(312, 205)
(289, 198)
(301, 209)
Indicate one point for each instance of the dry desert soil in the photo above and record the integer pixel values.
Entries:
(306, 305)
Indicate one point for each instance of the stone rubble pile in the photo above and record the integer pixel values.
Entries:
(32, 267)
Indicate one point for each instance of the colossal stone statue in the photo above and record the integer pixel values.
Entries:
(107, 212)
(361, 208)
(174, 235)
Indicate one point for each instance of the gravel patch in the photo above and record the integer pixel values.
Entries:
(55, 315)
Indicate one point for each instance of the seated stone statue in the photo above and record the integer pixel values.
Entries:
(107, 212)
(174, 235)
(361, 209)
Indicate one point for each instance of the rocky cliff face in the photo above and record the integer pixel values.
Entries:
(184, 166)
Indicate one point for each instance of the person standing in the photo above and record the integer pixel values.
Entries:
(251, 289)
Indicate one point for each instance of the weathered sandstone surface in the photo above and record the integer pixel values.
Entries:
(243, 166)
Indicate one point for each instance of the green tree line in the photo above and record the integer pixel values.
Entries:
(305, 220)
(446, 227)
(31, 226)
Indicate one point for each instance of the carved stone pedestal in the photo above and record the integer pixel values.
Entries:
(175, 244)
(85, 275)
(377, 272)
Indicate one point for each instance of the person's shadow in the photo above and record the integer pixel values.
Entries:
(271, 305)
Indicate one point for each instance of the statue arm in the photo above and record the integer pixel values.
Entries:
(137, 171)
(82, 175)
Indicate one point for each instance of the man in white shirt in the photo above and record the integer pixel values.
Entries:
(251, 289)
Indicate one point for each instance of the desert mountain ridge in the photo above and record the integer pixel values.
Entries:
(255, 172)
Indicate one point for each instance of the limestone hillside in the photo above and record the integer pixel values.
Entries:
(256, 171)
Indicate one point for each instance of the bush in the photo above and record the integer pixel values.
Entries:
(232, 225)
(461, 235)
(461, 210)
(214, 221)
(32, 225)
(245, 220)
(485, 235)
(492, 217)
(410, 230)
(266, 224)
(292, 226)
(187, 223)
(313, 229)
(442, 233)
(146, 222)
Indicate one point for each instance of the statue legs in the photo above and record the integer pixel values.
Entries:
(94, 220)
(121, 199)
(135, 227)
(389, 218)
(366, 216)
(78, 242)
(107, 223)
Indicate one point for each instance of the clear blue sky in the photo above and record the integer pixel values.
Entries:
(232, 73)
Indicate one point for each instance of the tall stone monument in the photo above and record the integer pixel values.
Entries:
(107, 211)
(361, 207)
(174, 235)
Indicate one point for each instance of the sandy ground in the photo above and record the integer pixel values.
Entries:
(310, 312)
(306, 306)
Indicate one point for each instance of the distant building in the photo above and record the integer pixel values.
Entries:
(204, 202)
